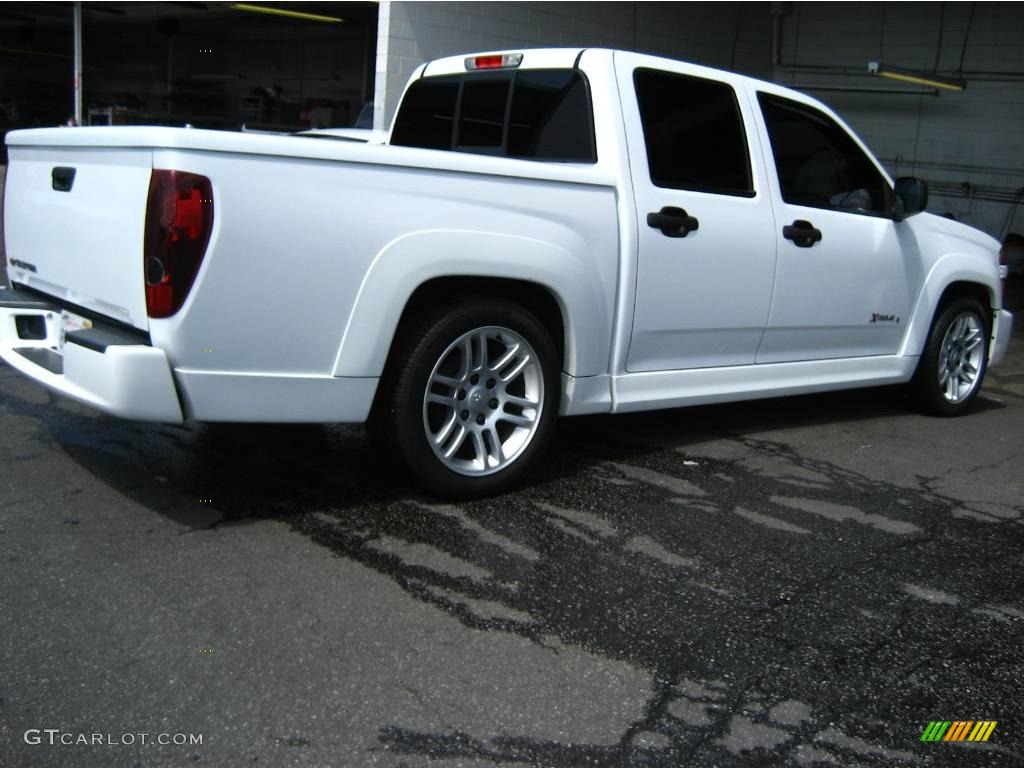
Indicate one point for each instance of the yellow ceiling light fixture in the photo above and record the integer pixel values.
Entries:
(286, 13)
(915, 76)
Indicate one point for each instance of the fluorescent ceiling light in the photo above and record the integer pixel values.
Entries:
(915, 76)
(285, 12)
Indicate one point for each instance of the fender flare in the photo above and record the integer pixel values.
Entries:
(951, 268)
(409, 261)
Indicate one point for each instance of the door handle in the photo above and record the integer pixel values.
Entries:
(802, 233)
(62, 179)
(672, 221)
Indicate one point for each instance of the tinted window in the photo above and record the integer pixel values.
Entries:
(549, 117)
(694, 133)
(427, 114)
(819, 164)
(482, 117)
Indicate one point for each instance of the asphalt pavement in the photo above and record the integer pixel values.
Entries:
(807, 581)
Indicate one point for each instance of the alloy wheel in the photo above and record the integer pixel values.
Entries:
(483, 401)
(960, 357)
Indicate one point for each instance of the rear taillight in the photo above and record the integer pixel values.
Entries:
(179, 217)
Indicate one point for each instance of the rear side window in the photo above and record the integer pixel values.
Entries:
(533, 114)
(818, 162)
(427, 117)
(694, 133)
(550, 117)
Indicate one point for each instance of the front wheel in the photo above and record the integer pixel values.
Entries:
(952, 366)
(472, 397)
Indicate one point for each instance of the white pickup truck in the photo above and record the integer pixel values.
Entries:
(545, 232)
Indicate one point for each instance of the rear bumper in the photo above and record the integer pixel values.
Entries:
(106, 368)
(1001, 326)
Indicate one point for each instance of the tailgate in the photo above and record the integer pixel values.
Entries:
(73, 221)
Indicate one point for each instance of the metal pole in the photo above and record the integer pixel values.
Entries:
(78, 62)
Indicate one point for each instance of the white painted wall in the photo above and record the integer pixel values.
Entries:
(971, 137)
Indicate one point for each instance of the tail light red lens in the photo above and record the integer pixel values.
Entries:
(179, 218)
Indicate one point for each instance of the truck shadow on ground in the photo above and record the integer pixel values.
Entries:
(629, 544)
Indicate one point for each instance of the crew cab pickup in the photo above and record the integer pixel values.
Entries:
(544, 232)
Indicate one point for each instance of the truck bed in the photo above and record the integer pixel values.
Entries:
(315, 247)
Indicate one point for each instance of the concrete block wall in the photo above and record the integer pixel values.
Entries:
(729, 35)
(973, 136)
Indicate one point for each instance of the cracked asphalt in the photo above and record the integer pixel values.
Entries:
(805, 581)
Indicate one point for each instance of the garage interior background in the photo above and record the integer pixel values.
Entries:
(219, 65)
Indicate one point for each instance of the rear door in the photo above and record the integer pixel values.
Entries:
(706, 229)
(73, 224)
(846, 271)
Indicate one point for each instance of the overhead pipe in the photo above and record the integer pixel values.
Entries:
(974, 193)
(778, 10)
(991, 170)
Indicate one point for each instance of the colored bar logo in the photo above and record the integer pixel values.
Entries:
(958, 730)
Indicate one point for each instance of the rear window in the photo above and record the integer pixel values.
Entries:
(540, 114)
(482, 117)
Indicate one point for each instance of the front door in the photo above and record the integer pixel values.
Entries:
(706, 229)
(846, 271)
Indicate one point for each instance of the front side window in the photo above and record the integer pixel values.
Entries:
(819, 164)
(694, 133)
(540, 114)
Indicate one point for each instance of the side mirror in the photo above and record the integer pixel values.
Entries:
(910, 196)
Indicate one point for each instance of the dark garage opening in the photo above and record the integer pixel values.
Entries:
(210, 65)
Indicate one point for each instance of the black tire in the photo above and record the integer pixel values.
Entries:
(929, 393)
(398, 423)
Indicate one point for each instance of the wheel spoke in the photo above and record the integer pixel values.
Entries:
(517, 368)
(496, 453)
(446, 429)
(505, 359)
(958, 328)
(480, 343)
(446, 381)
(446, 400)
(465, 357)
(479, 447)
(456, 443)
(521, 420)
(522, 402)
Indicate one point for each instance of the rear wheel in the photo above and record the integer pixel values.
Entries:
(471, 397)
(952, 366)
